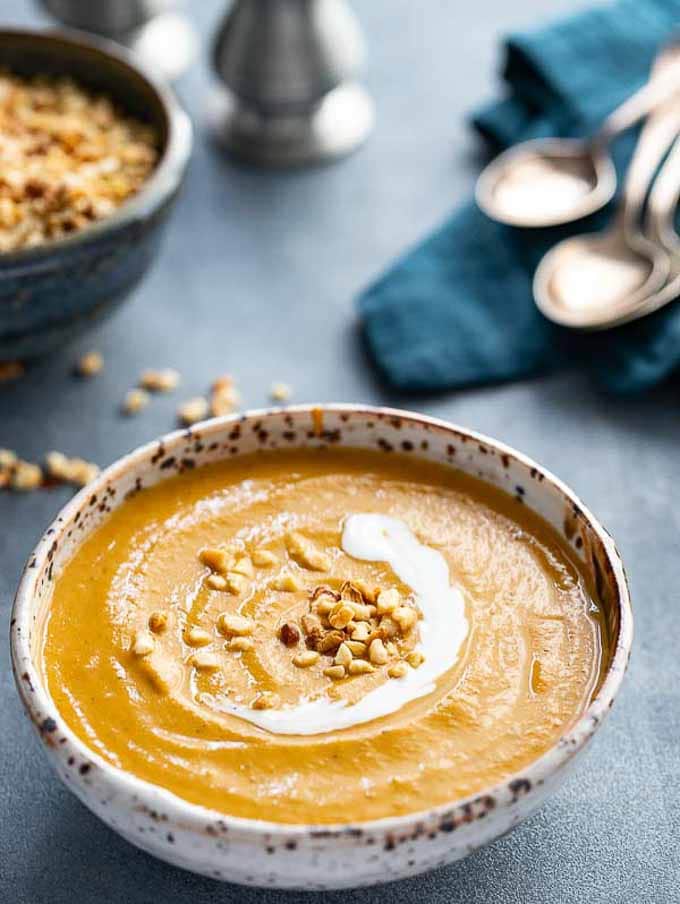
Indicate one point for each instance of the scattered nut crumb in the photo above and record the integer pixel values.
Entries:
(241, 644)
(415, 658)
(193, 410)
(215, 558)
(287, 583)
(216, 582)
(306, 553)
(387, 601)
(405, 617)
(243, 566)
(263, 558)
(164, 380)
(158, 622)
(398, 670)
(360, 667)
(236, 583)
(224, 397)
(281, 392)
(306, 659)
(71, 470)
(335, 672)
(90, 365)
(143, 644)
(344, 656)
(377, 652)
(26, 476)
(230, 624)
(197, 637)
(8, 459)
(289, 634)
(341, 615)
(135, 401)
(266, 700)
(205, 662)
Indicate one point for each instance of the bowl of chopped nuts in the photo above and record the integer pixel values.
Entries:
(331, 646)
(94, 152)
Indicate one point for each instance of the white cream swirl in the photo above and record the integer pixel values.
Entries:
(443, 629)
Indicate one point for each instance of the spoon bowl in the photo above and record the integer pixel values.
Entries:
(546, 182)
(584, 280)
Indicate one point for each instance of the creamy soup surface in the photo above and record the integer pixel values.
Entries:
(322, 636)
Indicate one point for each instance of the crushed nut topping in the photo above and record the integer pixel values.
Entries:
(306, 553)
(415, 658)
(306, 659)
(287, 583)
(70, 470)
(90, 365)
(241, 644)
(360, 667)
(205, 662)
(230, 624)
(25, 476)
(398, 670)
(192, 410)
(135, 401)
(143, 644)
(224, 397)
(335, 672)
(217, 582)
(69, 158)
(266, 700)
(216, 558)
(263, 558)
(164, 380)
(289, 634)
(158, 622)
(341, 615)
(197, 637)
(281, 392)
(244, 566)
(377, 652)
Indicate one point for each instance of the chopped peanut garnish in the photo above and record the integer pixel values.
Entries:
(289, 634)
(388, 627)
(244, 566)
(281, 392)
(8, 459)
(398, 670)
(405, 617)
(415, 658)
(361, 632)
(360, 667)
(357, 648)
(377, 652)
(143, 644)
(216, 582)
(26, 476)
(288, 583)
(193, 410)
(341, 615)
(263, 558)
(224, 397)
(135, 401)
(197, 637)
(306, 659)
(164, 380)
(230, 624)
(236, 583)
(205, 662)
(90, 365)
(241, 644)
(336, 672)
(72, 470)
(215, 558)
(330, 642)
(306, 553)
(158, 622)
(344, 655)
(387, 601)
(266, 700)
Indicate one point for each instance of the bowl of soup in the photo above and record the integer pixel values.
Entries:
(321, 646)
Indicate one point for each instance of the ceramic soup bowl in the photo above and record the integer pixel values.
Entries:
(313, 856)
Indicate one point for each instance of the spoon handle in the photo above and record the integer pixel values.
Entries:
(658, 134)
(663, 84)
(663, 202)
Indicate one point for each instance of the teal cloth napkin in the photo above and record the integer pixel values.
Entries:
(458, 309)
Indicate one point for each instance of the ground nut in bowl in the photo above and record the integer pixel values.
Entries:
(54, 290)
(262, 683)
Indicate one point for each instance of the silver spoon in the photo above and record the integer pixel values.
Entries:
(551, 181)
(660, 227)
(590, 281)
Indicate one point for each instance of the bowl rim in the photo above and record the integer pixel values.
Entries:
(166, 175)
(191, 816)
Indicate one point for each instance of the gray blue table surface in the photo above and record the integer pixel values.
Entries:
(257, 277)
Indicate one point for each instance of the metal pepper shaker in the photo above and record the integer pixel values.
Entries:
(288, 68)
(154, 29)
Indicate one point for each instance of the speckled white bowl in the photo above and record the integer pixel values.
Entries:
(312, 856)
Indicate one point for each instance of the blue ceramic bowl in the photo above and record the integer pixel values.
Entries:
(53, 292)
